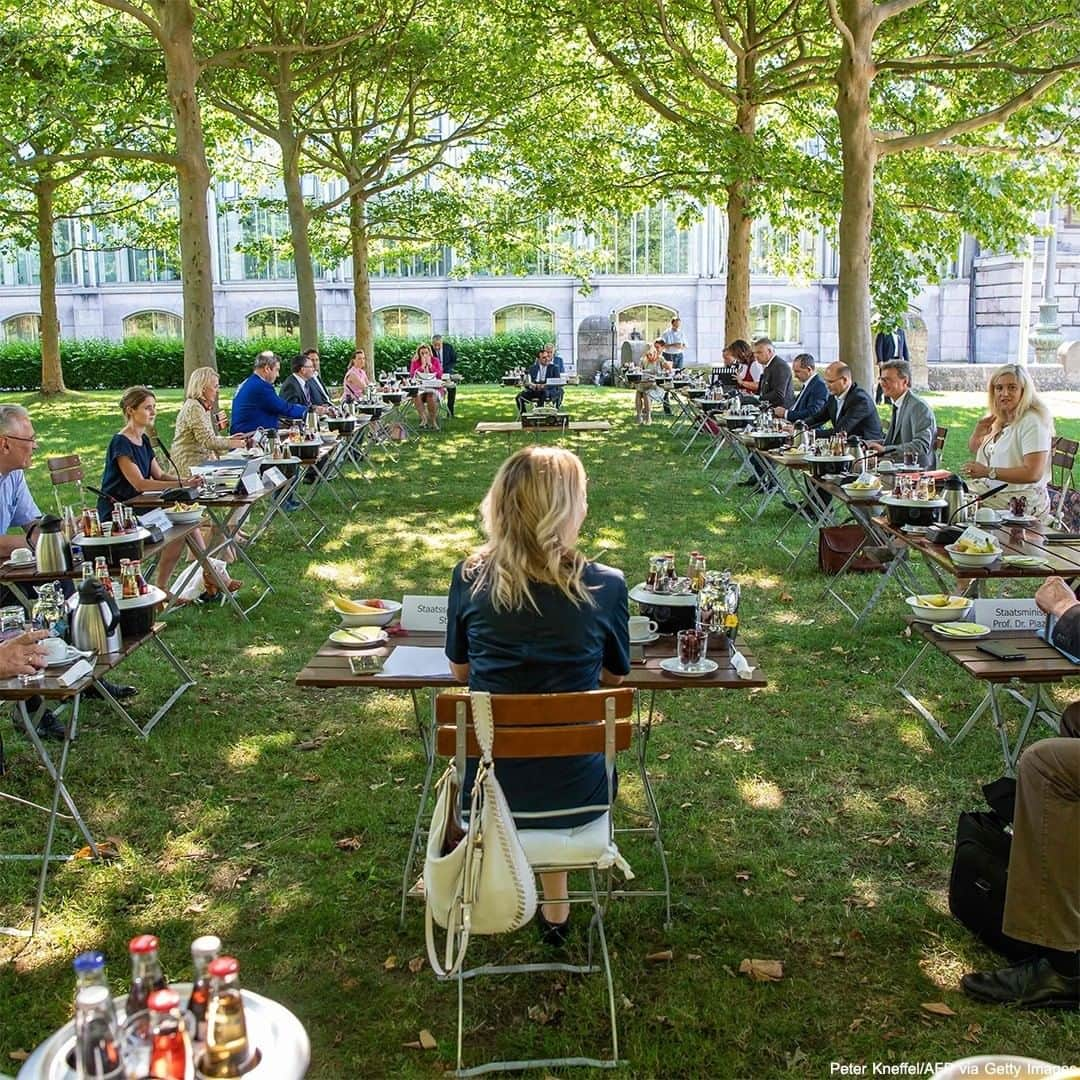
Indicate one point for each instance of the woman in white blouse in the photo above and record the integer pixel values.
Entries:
(1012, 443)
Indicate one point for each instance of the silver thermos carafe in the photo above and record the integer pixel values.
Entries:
(95, 625)
(52, 551)
(958, 510)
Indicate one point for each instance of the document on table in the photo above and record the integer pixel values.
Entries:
(416, 662)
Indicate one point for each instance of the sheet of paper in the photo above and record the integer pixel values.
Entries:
(416, 662)
(79, 670)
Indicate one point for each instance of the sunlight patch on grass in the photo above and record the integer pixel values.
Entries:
(914, 735)
(941, 966)
(760, 794)
(913, 799)
(860, 802)
(264, 650)
(790, 617)
(343, 576)
(761, 580)
(249, 752)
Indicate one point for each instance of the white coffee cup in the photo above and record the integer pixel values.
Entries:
(641, 627)
(54, 648)
(22, 556)
(995, 1065)
(986, 515)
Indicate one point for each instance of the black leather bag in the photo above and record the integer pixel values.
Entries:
(980, 871)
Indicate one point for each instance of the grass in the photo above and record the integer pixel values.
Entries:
(810, 822)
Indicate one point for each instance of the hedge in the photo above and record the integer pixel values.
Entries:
(93, 364)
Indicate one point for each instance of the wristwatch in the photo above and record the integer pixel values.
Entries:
(992, 473)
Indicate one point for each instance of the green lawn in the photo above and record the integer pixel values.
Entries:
(809, 822)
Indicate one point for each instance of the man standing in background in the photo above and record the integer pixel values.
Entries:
(444, 352)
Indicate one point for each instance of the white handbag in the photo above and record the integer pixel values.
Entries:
(476, 878)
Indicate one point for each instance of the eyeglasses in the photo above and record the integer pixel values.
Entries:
(21, 438)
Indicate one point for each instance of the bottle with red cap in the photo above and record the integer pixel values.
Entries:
(146, 973)
(170, 1050)
(227, 1052)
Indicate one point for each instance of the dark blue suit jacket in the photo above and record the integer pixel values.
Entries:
(811, 399)
(256, 404)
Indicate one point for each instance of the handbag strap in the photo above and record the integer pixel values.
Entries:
(483, 723)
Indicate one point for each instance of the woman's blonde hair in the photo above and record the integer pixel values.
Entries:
(134, 396)
(1029, 399)
(198, 381)
(531, 515)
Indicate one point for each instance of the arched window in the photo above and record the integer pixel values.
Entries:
(402, 322)
(158, 323)
(509, 320)
(272, 323)
(22, 328)
(644, 322)
(781, 323)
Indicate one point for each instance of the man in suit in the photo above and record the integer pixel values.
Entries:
(536, 383)
(318, 392)
(889, 345)
(296, 389)
(813, 395)
(256, 404)
(444, 352)
(550, 356)
(775, 386)
(849, 409)
(913, 427)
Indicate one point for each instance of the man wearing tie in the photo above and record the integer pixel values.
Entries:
(889, 345)
(849, 408)
(316, 390)
(444, 352)
(812, 396)
(913, 427)
(295, 389)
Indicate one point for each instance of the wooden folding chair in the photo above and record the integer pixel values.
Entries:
(549, 726)
(66, 470)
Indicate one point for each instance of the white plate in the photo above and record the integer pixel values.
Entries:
(947, 629)
(347, 640)
(672, 666)
(1027, 519)
(644, 640)
(73, 654)
(1030, 562)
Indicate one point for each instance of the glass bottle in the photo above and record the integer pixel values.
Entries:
(97, 1038)
(101, 572)
(696, 570)
(140, 581)
(90, 971)
(129, 585)
(146, 973)
(204, 950)
(732, 596)
(227, 1051)
(170, 1050)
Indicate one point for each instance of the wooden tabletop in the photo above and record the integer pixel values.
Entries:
(1061, 559)
(229, 502)
(509, 426)
(50, 687)
(1043, 663)
(329, 667)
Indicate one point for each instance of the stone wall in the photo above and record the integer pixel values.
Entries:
(975, 377)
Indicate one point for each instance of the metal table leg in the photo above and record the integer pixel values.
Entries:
(427, 739)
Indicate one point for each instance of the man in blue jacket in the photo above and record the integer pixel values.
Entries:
(812, 396)
(256, 404)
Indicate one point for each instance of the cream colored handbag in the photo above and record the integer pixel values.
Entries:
(476, 878)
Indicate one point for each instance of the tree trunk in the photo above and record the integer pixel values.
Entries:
(193, 182)
(740, 236)
(361, 280)
(52, 372)
(859, 154)
(299, 215)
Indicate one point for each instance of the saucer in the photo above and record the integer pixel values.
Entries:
(1026, 519)
(69, 658)
(957, 630)
(644, 640)
(359, 637)
(673, 667)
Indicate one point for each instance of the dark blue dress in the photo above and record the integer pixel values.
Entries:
(559, 649)
(113, 481)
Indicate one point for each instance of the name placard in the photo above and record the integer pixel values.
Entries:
(424, 612)
(1009, 614)
(976, 535)
(251, 483)
(156, 517)
(273, 477)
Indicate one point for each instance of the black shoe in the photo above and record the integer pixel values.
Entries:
(119, 693)
(1034, 984)
(48, 727)
(748, 483)
(310, 478)
(552, 933)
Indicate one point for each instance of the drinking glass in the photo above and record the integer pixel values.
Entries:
(693, 646)
(911, 457)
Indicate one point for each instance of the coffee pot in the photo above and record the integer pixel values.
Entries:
(52, 551)
(958, 504)
(95, 626)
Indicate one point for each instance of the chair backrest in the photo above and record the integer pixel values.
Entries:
(539, 725)
(66, 470)
(940, 435)
(1062, 456)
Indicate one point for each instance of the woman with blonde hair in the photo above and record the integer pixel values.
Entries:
(194, 438)
(651, 361)
(1012, 443)
(529, 613)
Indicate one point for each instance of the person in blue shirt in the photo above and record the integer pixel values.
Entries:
(256, 404)
(813, 395)
(529, 613)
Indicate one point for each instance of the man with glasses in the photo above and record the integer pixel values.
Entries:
(298, 388)
(319, 394)
(256, 404)
(849, 410)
